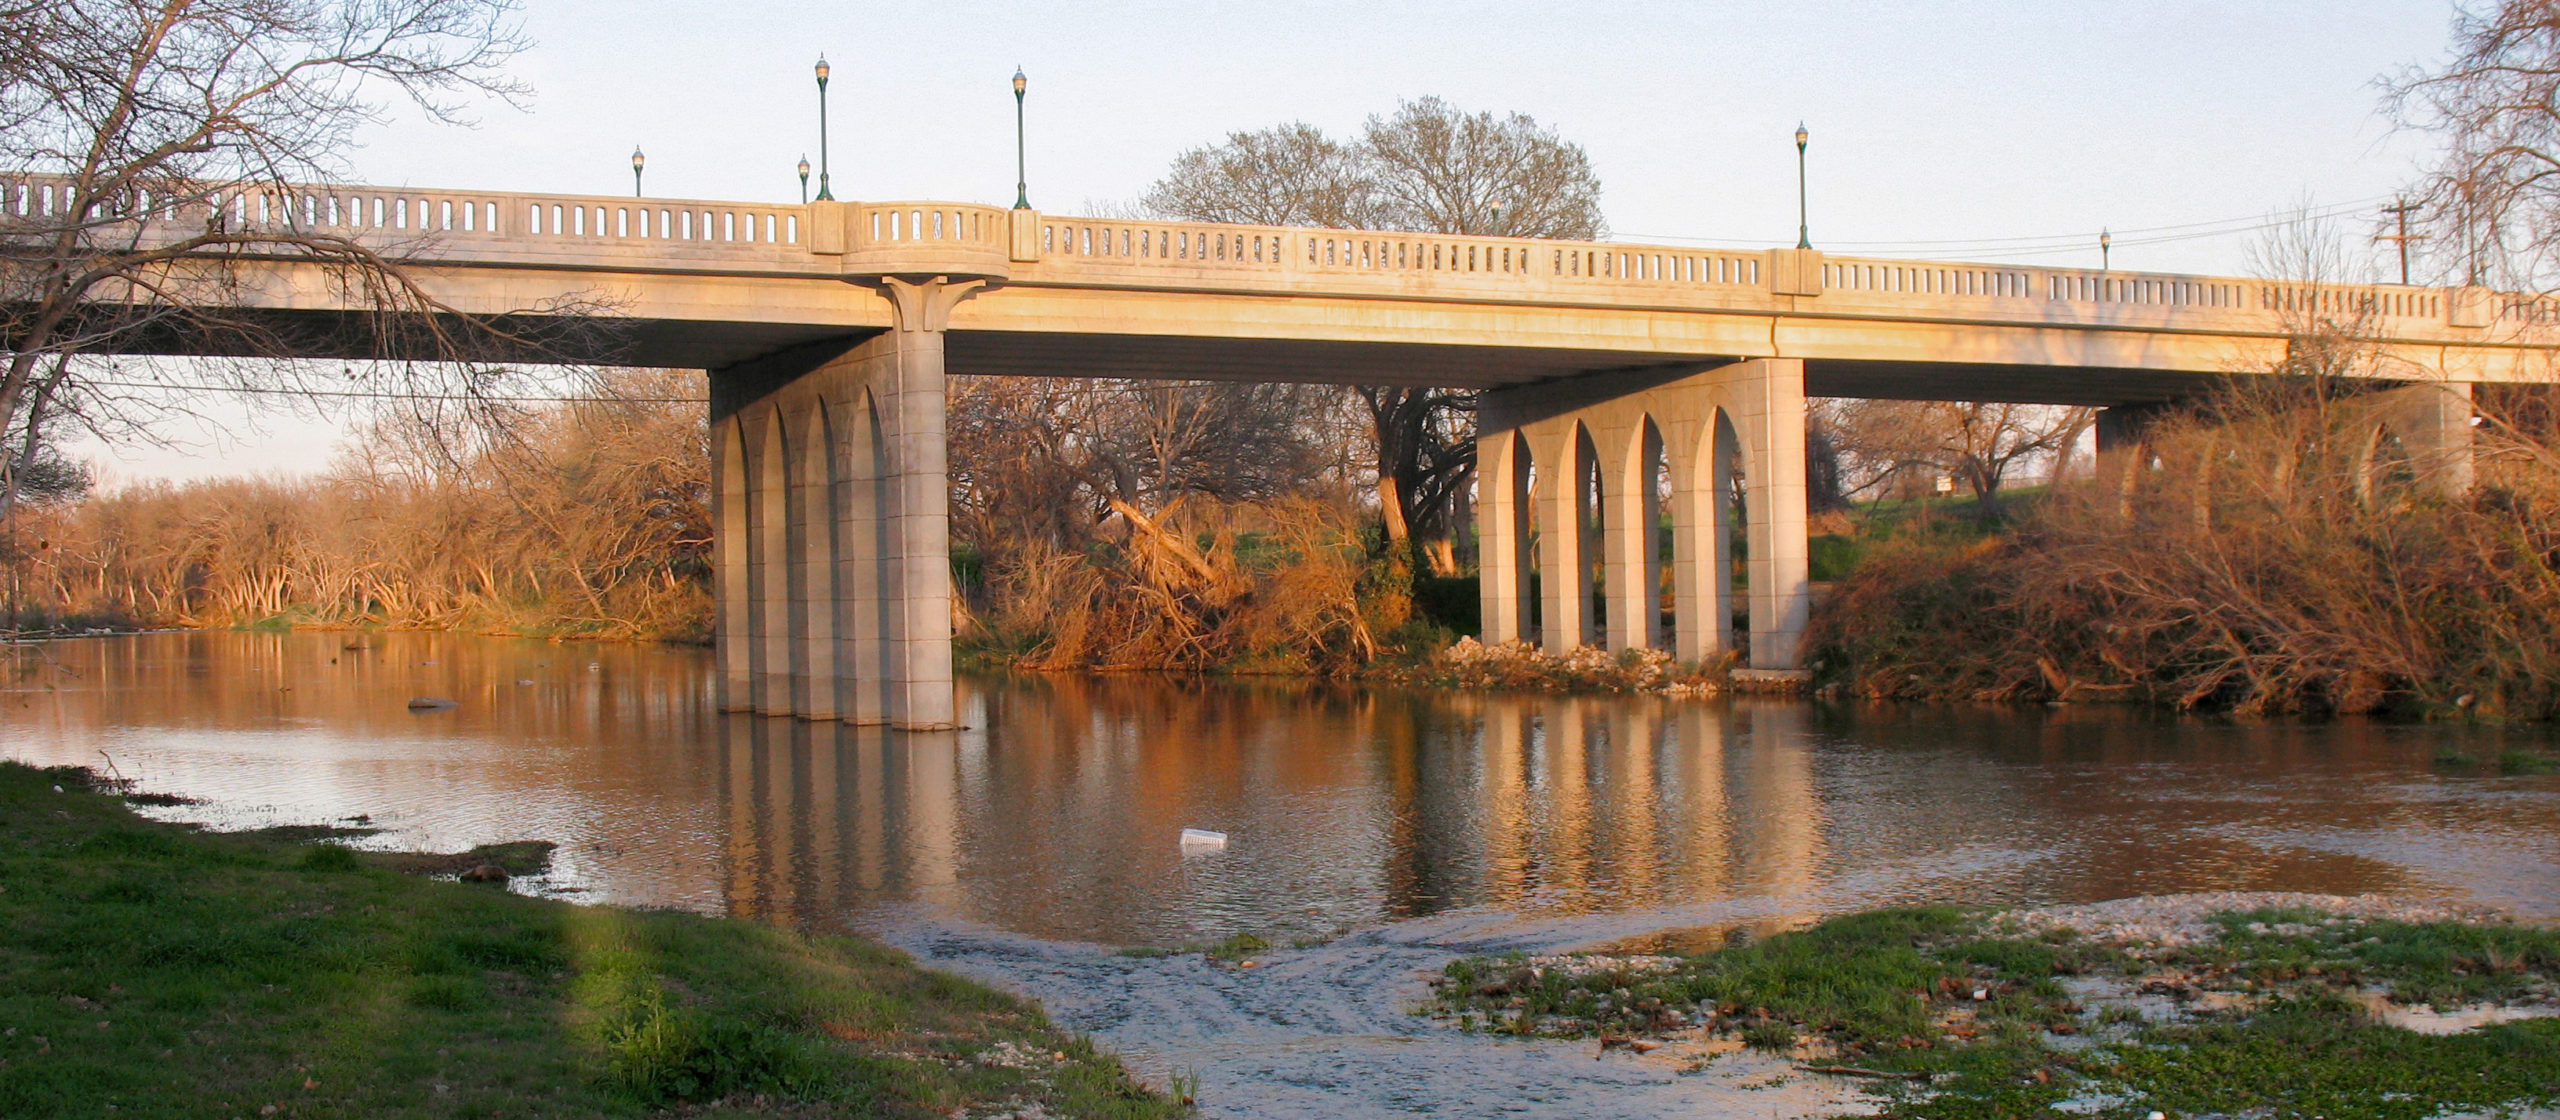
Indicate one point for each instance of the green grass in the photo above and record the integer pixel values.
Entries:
(151, 970)
(1894, 991)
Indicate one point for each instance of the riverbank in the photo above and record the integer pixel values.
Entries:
(2258, 1005)
(157, 970)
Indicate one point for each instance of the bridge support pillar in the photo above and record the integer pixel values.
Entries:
(2123, 444)
(1555, 460)
(2433, 424)
(832, 520)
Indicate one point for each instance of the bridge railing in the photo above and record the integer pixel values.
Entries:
(614, 232)
(2081, 293)
(407, 221)
(1525, 268)
(1197, 245)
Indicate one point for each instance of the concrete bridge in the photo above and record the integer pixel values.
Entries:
(1615, 373)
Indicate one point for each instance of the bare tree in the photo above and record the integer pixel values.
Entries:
(2493, 199)
(1047, 460)
(1979, 444)
(121, 115)
(1286, 175)
(1427, 167)
(1434, 168)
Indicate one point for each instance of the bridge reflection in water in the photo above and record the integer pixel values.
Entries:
(1056, 812)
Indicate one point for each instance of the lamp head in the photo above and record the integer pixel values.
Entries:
(1801, 136)
(822, 71)
(804, 168)
(637, 160)
(1018, 81)
(2105, 239)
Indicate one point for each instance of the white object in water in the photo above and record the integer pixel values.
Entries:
(1203, 838)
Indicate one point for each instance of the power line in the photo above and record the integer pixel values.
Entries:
(364, 394)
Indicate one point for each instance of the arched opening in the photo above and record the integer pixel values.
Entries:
(863, 580)
(1659, 555)
(736, 605)
(2387, 471)
(1591, 519)
(1729, 536)
(1524, 537)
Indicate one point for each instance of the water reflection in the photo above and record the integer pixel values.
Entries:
(1056, 811)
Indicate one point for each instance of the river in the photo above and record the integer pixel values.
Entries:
(1391, 828)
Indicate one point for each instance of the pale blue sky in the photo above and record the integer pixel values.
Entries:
(1959, 123)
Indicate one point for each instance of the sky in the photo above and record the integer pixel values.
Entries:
(1978, 129)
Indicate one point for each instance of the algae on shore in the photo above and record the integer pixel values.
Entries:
(1945, 1012)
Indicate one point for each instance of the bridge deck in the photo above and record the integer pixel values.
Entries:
(710, 284)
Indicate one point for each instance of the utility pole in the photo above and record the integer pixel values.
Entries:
(2401, 210)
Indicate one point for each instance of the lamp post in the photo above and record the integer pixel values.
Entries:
(804, 179)
(2105, 242)
(824, 194)
(1804, 231)
(1021, 181)
(638, 161)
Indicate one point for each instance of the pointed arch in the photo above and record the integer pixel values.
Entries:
(863, 618)
(1592, 490)
(1722, 516)
(1653, 493)
(733, 607)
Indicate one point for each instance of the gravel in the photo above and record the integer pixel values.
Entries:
(2178, 920)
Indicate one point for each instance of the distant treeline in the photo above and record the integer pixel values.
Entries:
(587, 518)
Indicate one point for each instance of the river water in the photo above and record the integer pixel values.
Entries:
(1397, 827)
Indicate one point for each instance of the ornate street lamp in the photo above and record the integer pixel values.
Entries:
(2105, 242)
(1499, 230)
(824, 194)
(1021, 182)
(804, 179)
(1804, 232)
(638, 161)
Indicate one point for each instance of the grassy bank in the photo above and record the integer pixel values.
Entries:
(1951, 1014)
(156, 970)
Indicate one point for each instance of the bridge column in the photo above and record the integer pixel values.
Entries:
(811, 536)
(768, 564)
(2433, 423)
(1770, 412)
(2123, 439)
(904, 370)
(833, 519)
(1502, 517)
(1627, 533)
(1564, 564)
(730, 602)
